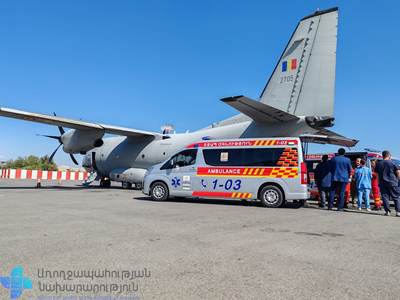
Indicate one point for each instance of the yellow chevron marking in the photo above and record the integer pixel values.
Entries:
(262, 171)
(245, 171)
(251, 171)
(238, 195)
(256, 143)
(249, 195)
(256, 171)
(244, 195)
(233, 195)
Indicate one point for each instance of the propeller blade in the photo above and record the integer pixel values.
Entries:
(73, 159)
(54, 153)
(62, 131)
(51, 136)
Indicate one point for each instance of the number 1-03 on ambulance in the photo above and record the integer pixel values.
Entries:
(271, 171)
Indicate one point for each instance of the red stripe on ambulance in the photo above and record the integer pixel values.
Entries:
(212, 194)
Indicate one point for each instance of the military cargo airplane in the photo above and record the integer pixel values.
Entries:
(297, 100)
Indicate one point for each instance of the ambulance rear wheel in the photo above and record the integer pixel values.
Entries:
(271, 196)
(159, 191)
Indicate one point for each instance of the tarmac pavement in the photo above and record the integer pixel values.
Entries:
(195, 249)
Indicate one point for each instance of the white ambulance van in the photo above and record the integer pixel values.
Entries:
(271, 171)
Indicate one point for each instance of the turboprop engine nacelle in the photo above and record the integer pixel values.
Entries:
(132, 175)
(81, 141)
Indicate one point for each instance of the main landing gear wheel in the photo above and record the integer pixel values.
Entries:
(138, 186)
(105, 182)
(271, 196)
(159, 191)
(126, 185)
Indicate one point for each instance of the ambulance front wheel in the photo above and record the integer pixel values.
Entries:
(159, 191)
(271, 196)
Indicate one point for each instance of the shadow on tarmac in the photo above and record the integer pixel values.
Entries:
(218, 202)
(353, 211)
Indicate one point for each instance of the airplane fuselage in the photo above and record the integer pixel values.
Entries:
(121, 153)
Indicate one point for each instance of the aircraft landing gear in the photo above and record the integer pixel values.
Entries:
(105, 182)
(126, 185)
(138, 186)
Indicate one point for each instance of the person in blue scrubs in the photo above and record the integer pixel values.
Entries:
(363, 177)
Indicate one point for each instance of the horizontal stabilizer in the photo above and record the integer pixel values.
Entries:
(74, 124)
(325, 136)
(258, 111)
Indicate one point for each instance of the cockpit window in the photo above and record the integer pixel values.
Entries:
(182, 159)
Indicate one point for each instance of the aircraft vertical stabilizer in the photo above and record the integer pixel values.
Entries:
(303, 81)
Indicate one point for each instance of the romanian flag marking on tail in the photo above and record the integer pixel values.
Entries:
(290, 64)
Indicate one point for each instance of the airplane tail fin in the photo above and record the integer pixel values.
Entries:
(303, 81)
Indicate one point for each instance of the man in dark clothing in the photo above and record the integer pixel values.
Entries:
(340, 172)
(323, 179)
(388, 176)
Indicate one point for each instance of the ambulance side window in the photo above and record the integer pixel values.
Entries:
(243, 157)
(182, 159)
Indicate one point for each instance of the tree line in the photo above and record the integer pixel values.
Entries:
(31, 162)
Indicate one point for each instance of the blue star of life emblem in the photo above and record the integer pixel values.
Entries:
(175, 182)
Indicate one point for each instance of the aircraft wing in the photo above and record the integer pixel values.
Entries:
(325, 136)
(74, 124)
(257, 110)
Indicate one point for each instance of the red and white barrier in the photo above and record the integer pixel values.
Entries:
(43, 175)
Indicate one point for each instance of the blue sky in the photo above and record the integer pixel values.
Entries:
(142, 64)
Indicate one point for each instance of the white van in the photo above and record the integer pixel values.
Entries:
(268, 170)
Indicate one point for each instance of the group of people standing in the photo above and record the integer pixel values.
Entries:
(336, 177)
